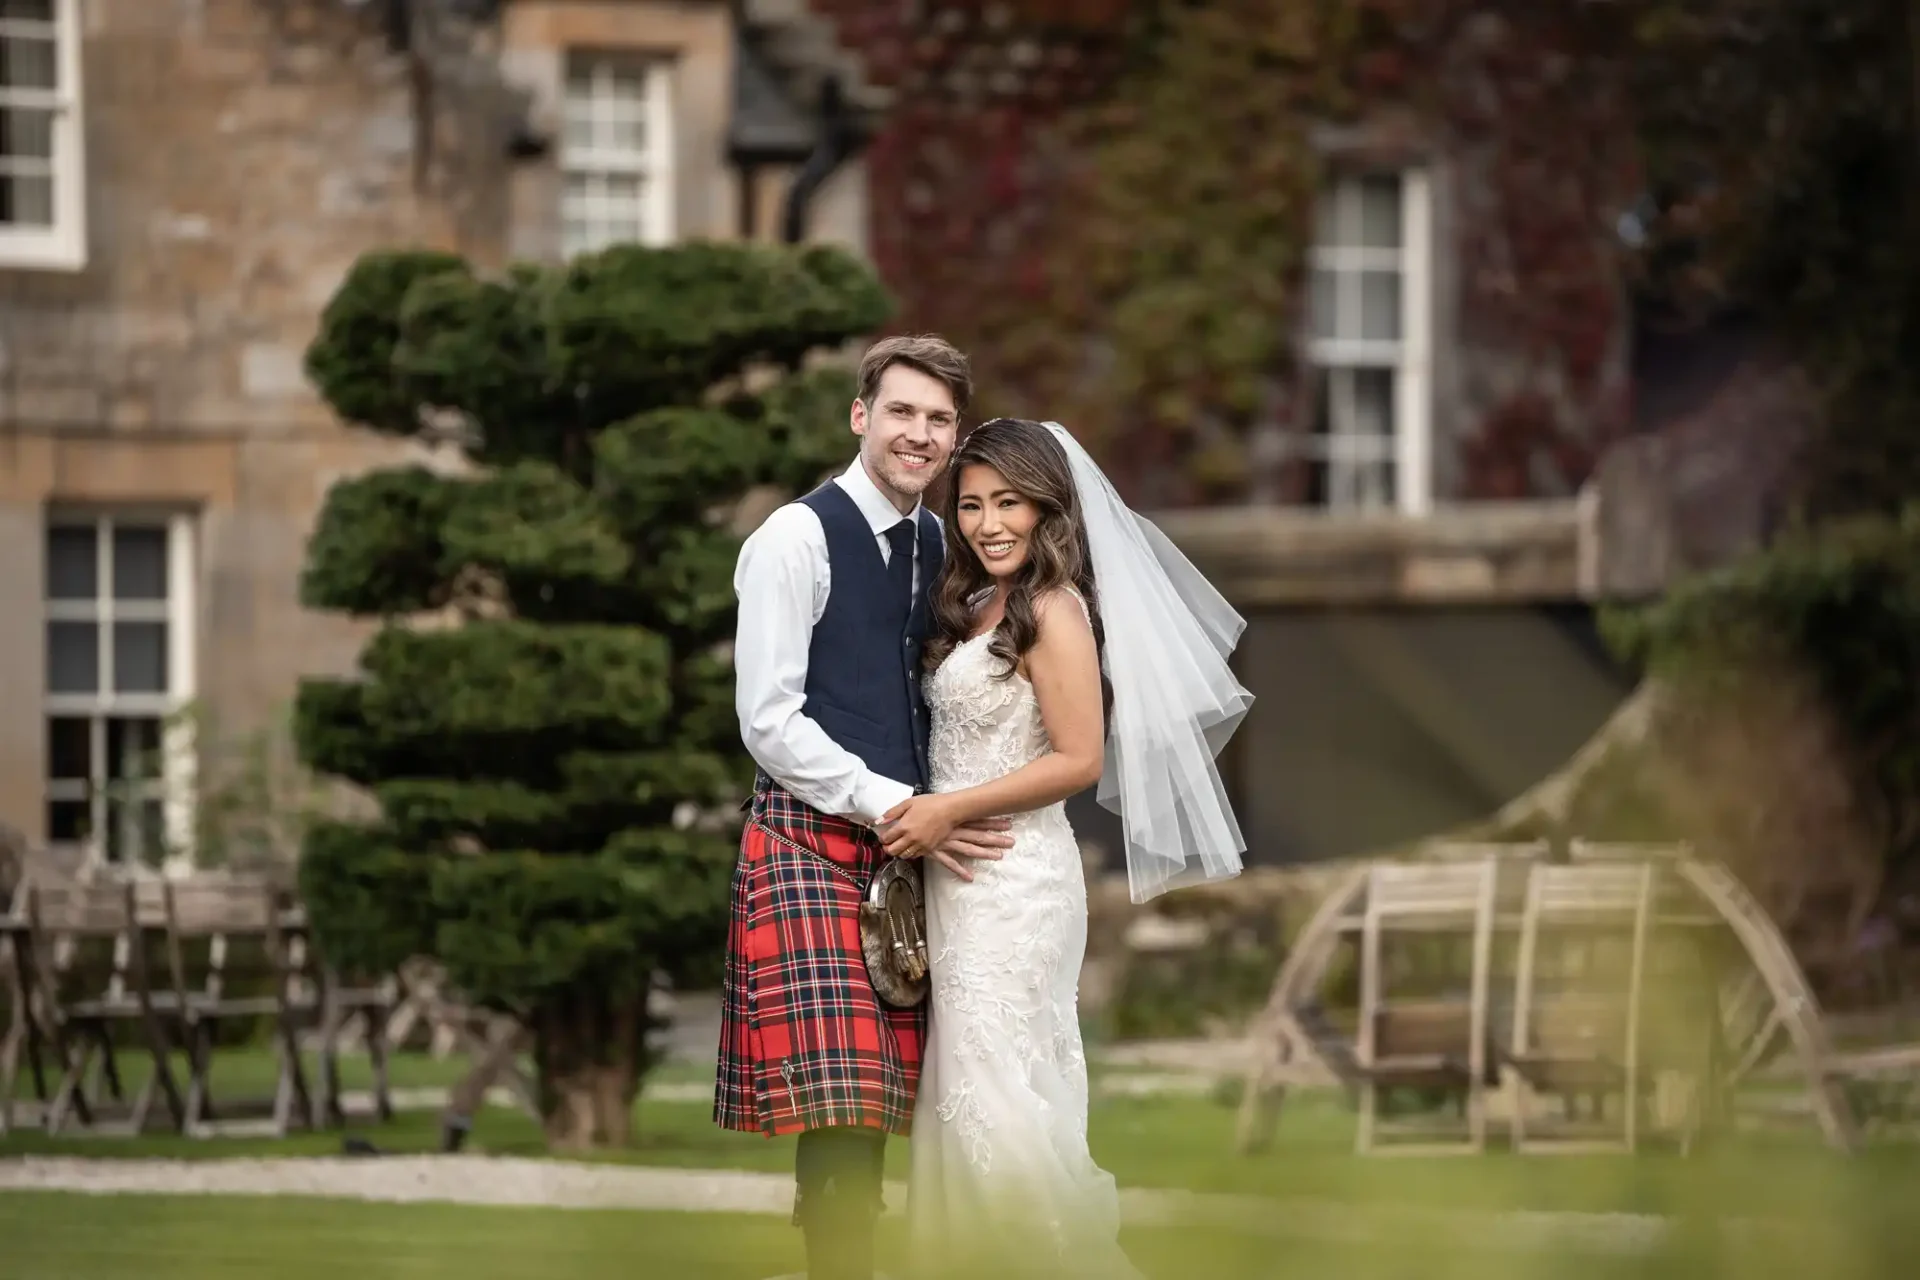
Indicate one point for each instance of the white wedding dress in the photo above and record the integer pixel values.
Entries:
(999, 1147)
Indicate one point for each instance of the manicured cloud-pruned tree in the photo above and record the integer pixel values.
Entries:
(545, 715)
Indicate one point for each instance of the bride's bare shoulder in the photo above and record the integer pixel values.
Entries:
(1061, 610)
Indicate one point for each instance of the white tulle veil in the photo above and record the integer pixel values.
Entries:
(1176, 702)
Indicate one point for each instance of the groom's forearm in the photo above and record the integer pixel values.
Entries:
(797, 753)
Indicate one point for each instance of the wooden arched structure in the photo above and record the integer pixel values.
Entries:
(1291, 1043)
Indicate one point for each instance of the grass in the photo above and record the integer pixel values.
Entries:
(50, 1236)
(1852, 1218)
(251, 1072)
(1164, 1141)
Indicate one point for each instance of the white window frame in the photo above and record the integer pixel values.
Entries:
(1408, 359)
(178, 782)
(62, 246)
(652, 163)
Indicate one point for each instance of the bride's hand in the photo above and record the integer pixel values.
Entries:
(917, 826)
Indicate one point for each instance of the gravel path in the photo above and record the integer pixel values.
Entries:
(492, 1180)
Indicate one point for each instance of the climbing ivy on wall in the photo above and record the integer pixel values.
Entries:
(1109, 202)
(1184, 238)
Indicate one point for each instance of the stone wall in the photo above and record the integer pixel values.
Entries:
(240, 154)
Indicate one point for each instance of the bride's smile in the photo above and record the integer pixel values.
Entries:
(995, 519)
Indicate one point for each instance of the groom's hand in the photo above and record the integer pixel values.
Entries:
(982, 841)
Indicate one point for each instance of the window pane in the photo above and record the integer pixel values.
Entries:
(1323, 304)
(629, 131)
(73, 657)
(27, 63)
(1370, 486)
(1380, 306)
(69, 747)
(136, 832)
(1326, 216)
(67, 821)
(139, 563)
(153, 832)
(26, 201)
(140, 657)
(73, 563)
(1353, 419)
(133, 747)
(1372, 402)
(628, 81)
(578, 135)
(1380, 212)
(1315, 446)
(27, 10)
(624, 190)
(118, 836)
(26, 133)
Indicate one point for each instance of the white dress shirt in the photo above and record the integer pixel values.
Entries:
(782, 580)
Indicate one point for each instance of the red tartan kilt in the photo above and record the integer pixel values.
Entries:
(804, 1042)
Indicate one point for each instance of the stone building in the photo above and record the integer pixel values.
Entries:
(182, 185)
(184, 182)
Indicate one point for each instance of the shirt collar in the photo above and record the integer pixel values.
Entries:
(881, 514)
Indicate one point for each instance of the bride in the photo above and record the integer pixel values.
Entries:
(1072, 642)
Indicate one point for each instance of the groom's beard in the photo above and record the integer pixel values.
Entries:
(890, 474)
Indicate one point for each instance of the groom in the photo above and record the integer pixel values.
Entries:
(833, 611)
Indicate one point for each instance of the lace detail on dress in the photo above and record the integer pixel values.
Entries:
(1000, 1129)
(962, 1110)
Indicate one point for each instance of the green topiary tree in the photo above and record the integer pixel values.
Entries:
(545, 715)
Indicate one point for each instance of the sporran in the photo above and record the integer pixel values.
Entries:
(893, 933)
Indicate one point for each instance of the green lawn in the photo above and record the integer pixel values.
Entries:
(69, 1237)
(1164, 1141)
(1851, 1213)
(251, 1073)
(46, 1236)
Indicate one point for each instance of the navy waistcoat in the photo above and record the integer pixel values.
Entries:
(863, 668)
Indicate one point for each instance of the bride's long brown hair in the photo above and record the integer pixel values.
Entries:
(1033, 463)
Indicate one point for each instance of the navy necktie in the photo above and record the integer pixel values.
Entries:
(900, 563)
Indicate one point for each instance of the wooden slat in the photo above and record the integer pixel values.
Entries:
(222, 908)
(1580, 890)
(1424, 890)
(85, 909)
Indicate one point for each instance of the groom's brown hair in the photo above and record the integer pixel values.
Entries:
(927, 352)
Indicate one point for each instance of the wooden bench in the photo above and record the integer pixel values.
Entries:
(228, 961)
(1425, 1045)
(1577, 1042)
(1419, 1041)
(85, 975)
